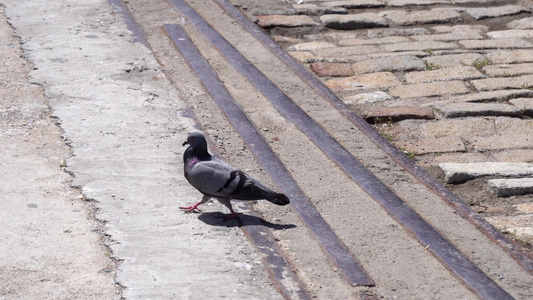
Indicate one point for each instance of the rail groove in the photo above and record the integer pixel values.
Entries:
(524, 259)
(345, 260)
(472, 277)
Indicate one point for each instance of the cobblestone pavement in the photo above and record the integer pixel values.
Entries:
(448, 81)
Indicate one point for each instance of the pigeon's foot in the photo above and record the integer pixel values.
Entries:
(193, 208)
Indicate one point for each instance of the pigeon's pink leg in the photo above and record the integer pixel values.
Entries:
(227, 203)
(195, 207)
(233, 213)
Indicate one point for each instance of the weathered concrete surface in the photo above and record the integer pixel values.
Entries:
(511, 187)
(125, 124)
(461, 172)
(50, 243)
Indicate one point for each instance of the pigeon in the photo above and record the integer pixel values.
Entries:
(214, 178)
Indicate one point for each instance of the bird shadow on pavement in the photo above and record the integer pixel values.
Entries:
(219, 219)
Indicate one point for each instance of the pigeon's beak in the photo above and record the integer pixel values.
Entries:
(185, 143)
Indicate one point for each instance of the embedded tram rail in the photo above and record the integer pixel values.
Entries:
(193, 34)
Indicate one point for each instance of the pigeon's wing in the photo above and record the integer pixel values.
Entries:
(209, 177)
(218, 179)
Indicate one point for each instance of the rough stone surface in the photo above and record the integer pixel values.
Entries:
(454, 60)
(270, 21)
(383, 32)
(506, 70)
(461, 110)
(311, 46)
(364, 98)
(364, 82)
(429, 89)
(511, 187)
(405, 18)
(498, 43)
(400, 113)
(443, 144)
(395, 63)
(511, 56)
(383, 40)
(356, 21)
(525, 23)
(445, 74)
(351, 4)
(461, 172)
(493, 12)
(313, 9)
(488, 84)
(492, 96)
(346, 54)
(401, 3)
(420, 46)
(524, 104)
(507, 34)
(332, 69)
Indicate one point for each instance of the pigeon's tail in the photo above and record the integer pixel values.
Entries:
(279, 199)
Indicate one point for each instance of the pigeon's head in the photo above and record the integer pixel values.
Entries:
(196, 141)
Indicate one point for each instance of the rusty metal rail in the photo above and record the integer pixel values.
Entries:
(473, 278)
(354, 273)
(445, 194)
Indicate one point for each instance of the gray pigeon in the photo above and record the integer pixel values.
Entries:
(216, 179)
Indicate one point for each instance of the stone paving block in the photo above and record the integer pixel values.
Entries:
(303, 56)
(443, 144)
(521, 82)
(401, 3)
(525, 105)
(511, 187)
(521, 226)
(461, 110)
(347, 51)
(452, 36)
(355, 4)
(462, 172)
(364, 82)
(383, 40)
(419, 54)
(310, 46)
(493, 96)
(389, 64)
(383, 32)
(508, 70)
(420, 46)
(316, 10)
(511, 56)
(454, 60)
(512, 33)
(355, 21)
(479, 13)
(429, 89)
(498, 43)
(525, 207)
(460, 28)
(455, 127)
(408, 18)
(525, 23)
(504, 141)
(323, 69)
(399, 113)
(269, 21)
(444, 74)
(364, 98)
(514, 155)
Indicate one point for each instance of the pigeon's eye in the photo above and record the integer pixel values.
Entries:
(191, 138)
